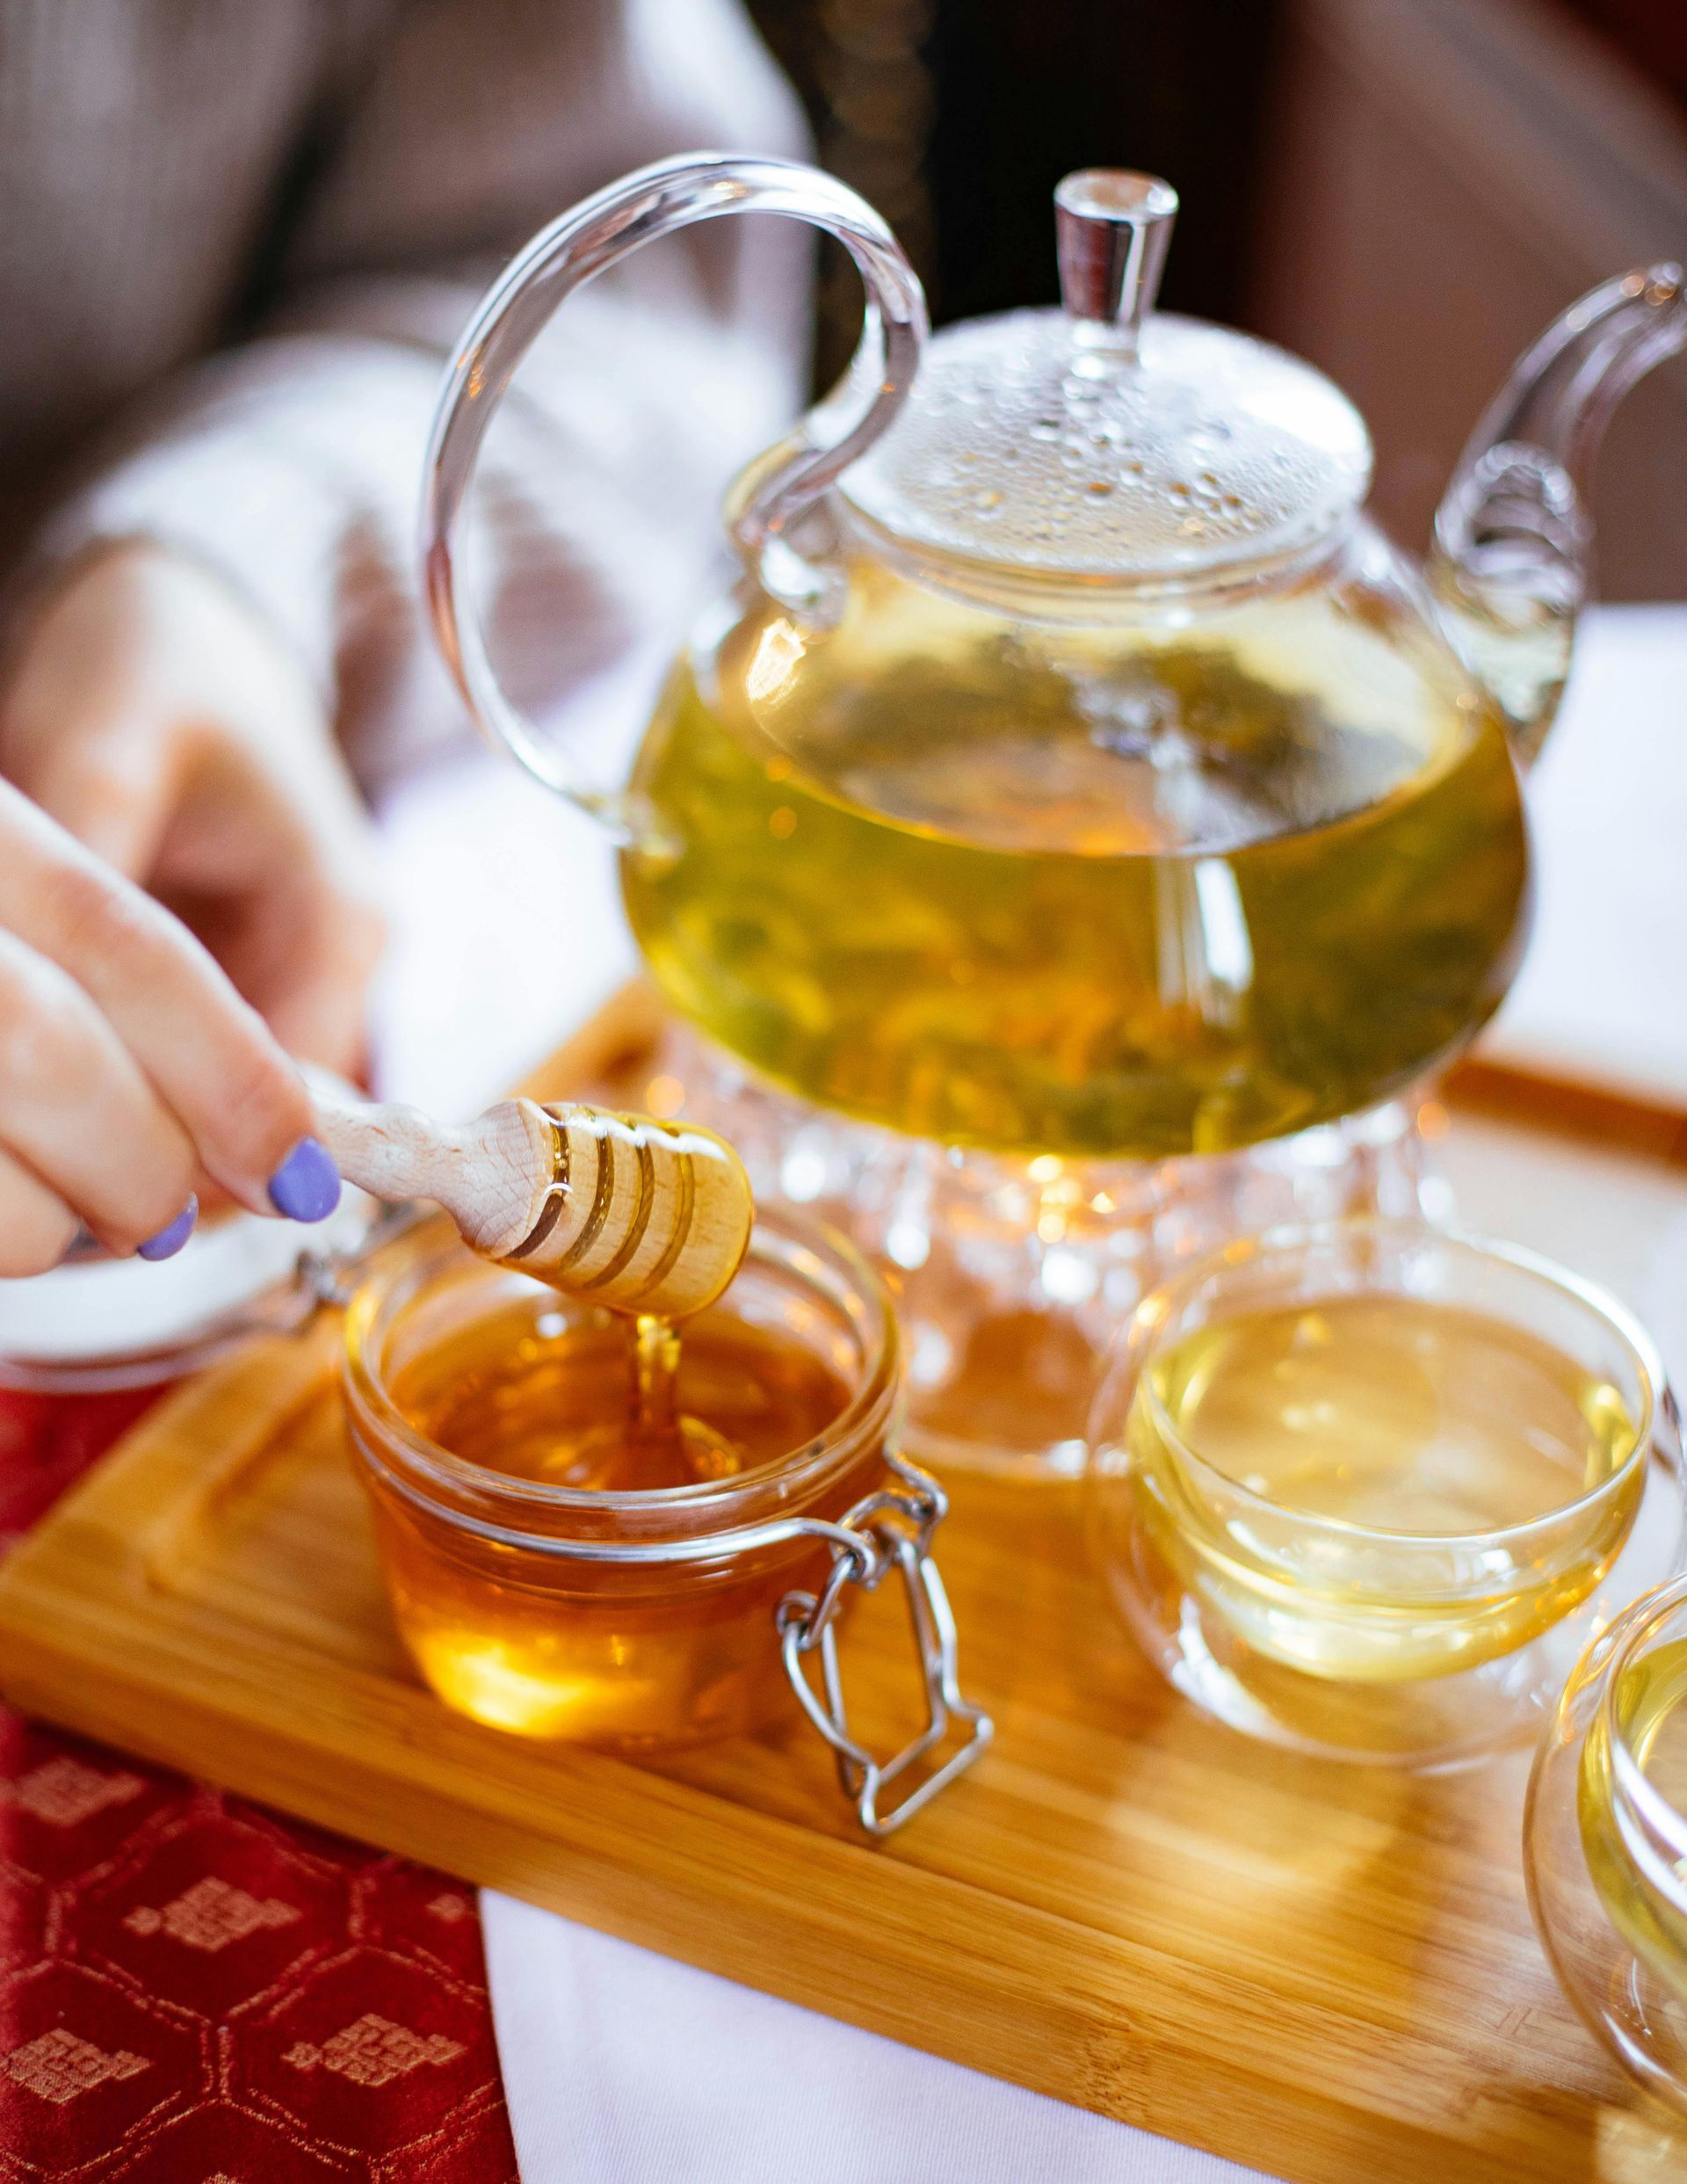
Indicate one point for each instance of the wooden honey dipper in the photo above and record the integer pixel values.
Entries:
(644, 1217)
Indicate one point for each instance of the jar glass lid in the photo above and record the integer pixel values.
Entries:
(95, 1321)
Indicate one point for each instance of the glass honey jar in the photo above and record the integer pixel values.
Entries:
(561, 1565)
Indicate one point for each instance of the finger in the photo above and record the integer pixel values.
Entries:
(113, 785)
(170, 1238)
(200, 1045)
(76, 1111)
(317, 1001)
(302, 947)
(36, 1226)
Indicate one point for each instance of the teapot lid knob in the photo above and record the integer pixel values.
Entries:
(1112, 228)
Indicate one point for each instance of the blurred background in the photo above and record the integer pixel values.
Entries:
(1403, 191)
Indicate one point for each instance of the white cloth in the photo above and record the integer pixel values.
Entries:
(507, 930)
(622, 2067)
(1602, 994)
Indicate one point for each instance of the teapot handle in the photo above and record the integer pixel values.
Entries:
(657, 201)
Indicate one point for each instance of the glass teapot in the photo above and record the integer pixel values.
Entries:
(1075, 769)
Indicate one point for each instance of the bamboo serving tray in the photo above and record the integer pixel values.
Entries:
(1326, 1972)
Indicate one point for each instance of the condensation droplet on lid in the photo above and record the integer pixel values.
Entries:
(1046, 436)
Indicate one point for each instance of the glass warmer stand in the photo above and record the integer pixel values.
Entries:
(1013, 1273)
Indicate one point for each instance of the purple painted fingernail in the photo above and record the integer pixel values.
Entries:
(307, 1185)
(168, 1241)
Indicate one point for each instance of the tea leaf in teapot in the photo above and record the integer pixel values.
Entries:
(1078, 890)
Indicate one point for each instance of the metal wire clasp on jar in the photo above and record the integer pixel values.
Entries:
(541, 1597)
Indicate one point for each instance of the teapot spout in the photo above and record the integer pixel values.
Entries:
(1511, 559)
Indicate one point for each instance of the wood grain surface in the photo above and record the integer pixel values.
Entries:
(1327, 1972)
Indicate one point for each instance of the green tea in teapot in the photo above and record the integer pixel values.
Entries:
(1092, 891)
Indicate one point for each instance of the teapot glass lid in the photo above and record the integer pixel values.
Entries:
(1105, 443)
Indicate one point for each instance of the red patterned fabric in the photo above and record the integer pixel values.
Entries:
(48, 1440)
(195, 1991)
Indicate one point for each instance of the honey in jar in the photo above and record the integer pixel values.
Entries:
(569, 1552)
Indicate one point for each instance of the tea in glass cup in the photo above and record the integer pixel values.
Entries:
(1363, 1489)
(1605, 1839)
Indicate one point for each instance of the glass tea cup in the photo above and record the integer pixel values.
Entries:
(644, 1617)
(1605, 1839)
(1407, 1583)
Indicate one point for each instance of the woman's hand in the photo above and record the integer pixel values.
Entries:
(153, 714)
(159, 722)
(127, 1064)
